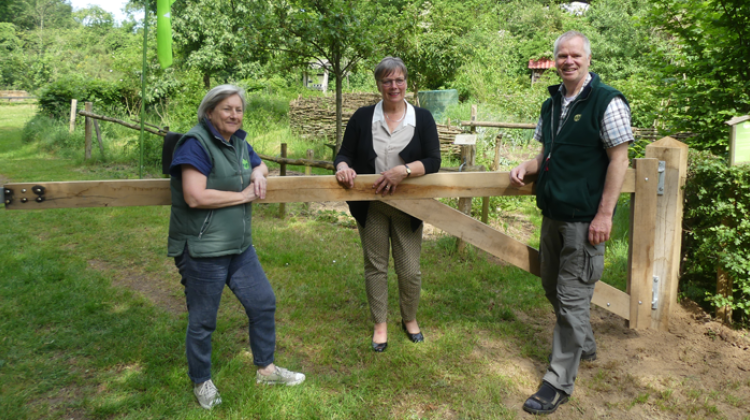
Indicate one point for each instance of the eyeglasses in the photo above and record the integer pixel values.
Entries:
(391, 82)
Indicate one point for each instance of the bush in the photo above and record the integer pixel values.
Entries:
(717, 231)
(54, 100)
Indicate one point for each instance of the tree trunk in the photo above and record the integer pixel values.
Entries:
(339, 102)
(207, 80)
(416, 94)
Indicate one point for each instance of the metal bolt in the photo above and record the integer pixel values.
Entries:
(7, 201)
(608, 304)
(640, 303)
(23, 200)
(646, 179)
(39, 199)
(23, 190)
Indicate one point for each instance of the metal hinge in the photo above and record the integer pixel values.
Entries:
(655, 292)
(662, 173)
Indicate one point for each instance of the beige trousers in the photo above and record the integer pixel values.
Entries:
(386, 228)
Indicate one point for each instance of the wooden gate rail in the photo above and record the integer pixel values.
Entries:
(655, 221)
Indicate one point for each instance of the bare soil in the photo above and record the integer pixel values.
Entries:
(697, 369)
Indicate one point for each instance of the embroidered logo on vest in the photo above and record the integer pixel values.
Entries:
(577, 117)
(245, 164)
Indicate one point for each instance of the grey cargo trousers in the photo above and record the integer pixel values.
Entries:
(570, 267)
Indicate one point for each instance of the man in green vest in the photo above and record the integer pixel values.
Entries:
(585, 131)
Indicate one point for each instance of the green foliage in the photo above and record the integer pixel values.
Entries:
(704, 69)
(11, 55)
(430, 36)
(211, 39)
(95, 17)
(37, 14)
(717, 222)
(55, 99)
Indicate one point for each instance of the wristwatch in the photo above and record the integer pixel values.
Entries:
(408, 171)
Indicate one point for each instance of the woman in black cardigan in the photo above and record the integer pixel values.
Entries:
(397, 141)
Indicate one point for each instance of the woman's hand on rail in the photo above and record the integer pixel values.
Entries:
(249, 194)
(389, 180)
(258, 177)
(259, 182)
(345, 176)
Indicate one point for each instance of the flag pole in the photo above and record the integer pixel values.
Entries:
(143, 84)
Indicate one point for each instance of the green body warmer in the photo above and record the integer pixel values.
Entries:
(571, 181)
(213, 232)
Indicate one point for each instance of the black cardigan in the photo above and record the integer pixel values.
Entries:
(358, 152)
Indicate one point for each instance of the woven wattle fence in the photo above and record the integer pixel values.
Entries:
(315, 118)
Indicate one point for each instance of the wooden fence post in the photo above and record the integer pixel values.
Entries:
(468, 158)
(99, 137)
(282, 172)
(668, 235)
(308, 169)
(89, 123)
(73, 105)
(642, 232)
(724, 286)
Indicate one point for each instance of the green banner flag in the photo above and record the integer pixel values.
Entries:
(164, 32)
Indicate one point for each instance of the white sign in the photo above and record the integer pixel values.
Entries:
(465, 139)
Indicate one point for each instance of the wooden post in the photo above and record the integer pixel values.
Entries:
(468, 158)
(310, 157)
(99, 137)
(73, 105)
(642, 232)
(308, 170)
(89, 108)
(668, 235)
(724, 285)
(282, 172)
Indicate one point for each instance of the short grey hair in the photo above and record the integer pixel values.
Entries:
(389, 65)
(216, 95)
(570, 35)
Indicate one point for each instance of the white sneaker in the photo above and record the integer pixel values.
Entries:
(207, 394)
(280, 376)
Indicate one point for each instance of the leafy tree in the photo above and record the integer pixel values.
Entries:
(94, 17)
(210, 37)
(10, 10)
(11, 55)
(430, 36)
(704, 71)
(44, 14)
(338, 34)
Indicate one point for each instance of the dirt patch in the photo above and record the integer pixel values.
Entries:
(163, 291)
(696, 369)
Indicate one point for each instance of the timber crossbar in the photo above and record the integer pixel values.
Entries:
(417, 197)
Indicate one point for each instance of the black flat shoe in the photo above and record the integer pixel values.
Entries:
(379, 347)
(415, 338)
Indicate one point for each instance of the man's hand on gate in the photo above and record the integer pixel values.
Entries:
(600, 228)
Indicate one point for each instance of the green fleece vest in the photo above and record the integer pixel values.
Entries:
(213, 232)
(571, 181)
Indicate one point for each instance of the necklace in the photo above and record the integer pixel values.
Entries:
(398, 120)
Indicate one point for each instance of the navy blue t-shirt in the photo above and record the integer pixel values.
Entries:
(192, 153)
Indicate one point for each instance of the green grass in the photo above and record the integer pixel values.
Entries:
(78, 340)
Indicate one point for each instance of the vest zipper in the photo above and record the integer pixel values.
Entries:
(553, 132)
(242, 183)
(206, 222)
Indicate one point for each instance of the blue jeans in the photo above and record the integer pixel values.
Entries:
(204, 280)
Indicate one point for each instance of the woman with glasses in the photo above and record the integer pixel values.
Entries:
(397, 141)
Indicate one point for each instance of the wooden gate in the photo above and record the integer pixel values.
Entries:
(655, 184)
